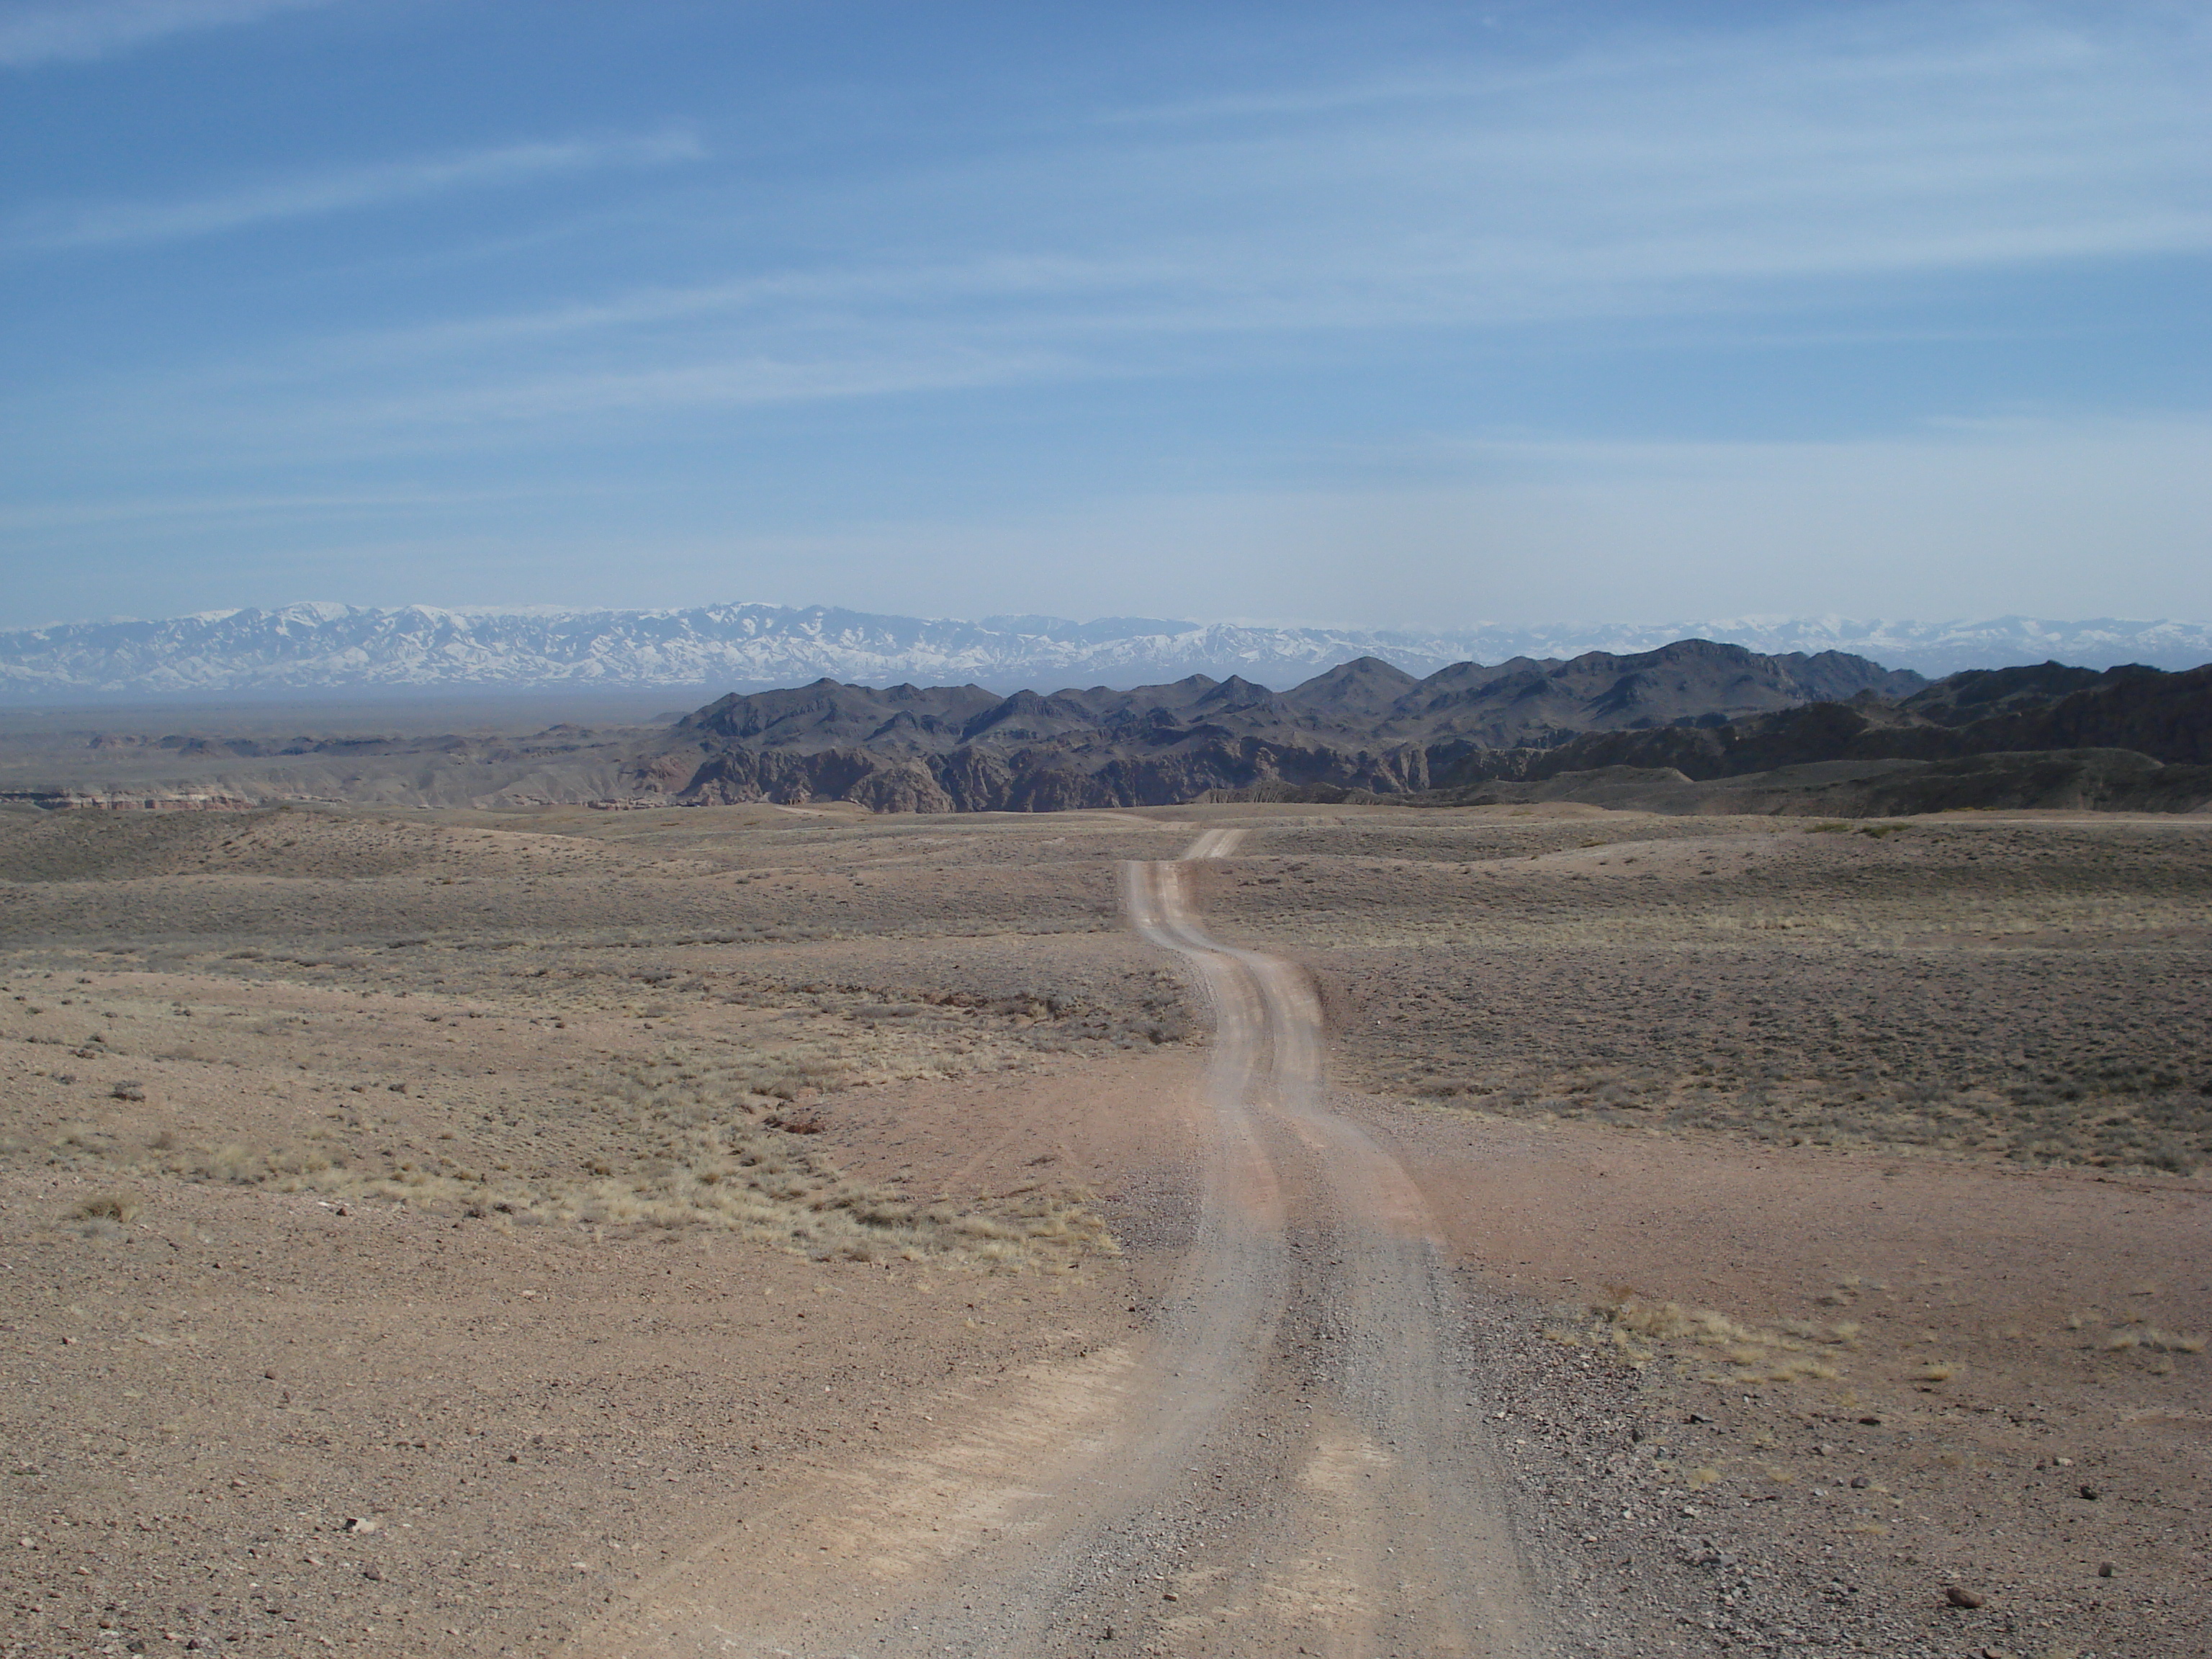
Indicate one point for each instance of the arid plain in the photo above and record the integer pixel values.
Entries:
(449, 1232)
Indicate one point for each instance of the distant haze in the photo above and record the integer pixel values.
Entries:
(315, 651)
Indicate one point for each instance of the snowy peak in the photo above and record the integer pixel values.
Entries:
(326, 647)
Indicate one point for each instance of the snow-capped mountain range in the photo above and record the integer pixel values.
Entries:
(336, 648)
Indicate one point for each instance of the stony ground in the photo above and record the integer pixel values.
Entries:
(413, 1227)
(2032, 989)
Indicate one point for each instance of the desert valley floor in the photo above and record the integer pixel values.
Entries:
(759, 1230)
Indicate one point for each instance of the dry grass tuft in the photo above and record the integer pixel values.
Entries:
(1640, 1329)
(117, 1207)
(2150, 1338)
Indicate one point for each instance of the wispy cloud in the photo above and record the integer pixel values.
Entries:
(108, 224)
(31, 516)
(1815, 173)
(850, 293)
(1726, 175)
(31, 35)
(720, 382)
(1838, 148)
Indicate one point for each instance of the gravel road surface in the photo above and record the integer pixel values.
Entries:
(1287, 1460)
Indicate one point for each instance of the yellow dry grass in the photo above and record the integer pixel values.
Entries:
(2151, 1337)
(1640, 1329)
(111, 1207)
(713, 1146)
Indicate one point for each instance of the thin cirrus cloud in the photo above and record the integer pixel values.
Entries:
(1617, 183)
(734, 383)
(995, 303)
(32, 35)
(1805, 153)
(295, 505)
(1721, 178)
(115, 224)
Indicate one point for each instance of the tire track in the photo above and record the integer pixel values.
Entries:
(1417, 1535)
(1287, 1464)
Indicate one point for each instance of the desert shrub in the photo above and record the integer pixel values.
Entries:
(1640, 1329)
(2169, 1155)
(116, 1206)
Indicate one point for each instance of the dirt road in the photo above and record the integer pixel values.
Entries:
(1287, 1460)
(1392, 1506)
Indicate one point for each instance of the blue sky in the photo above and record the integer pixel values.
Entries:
(1383, 314)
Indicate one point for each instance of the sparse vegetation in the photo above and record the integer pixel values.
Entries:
(1641, 1330)
(679, 1144)
(109, 1206)
(2151, 1340)
(2024, 992)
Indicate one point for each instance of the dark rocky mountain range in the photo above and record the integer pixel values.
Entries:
(1362, 725)
(2163, 716)
(2043, 736)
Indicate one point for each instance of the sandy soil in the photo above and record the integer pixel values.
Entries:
(1728, 1151)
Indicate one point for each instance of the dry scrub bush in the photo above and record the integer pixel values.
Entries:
(1640, 1329)
(111, 1207)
